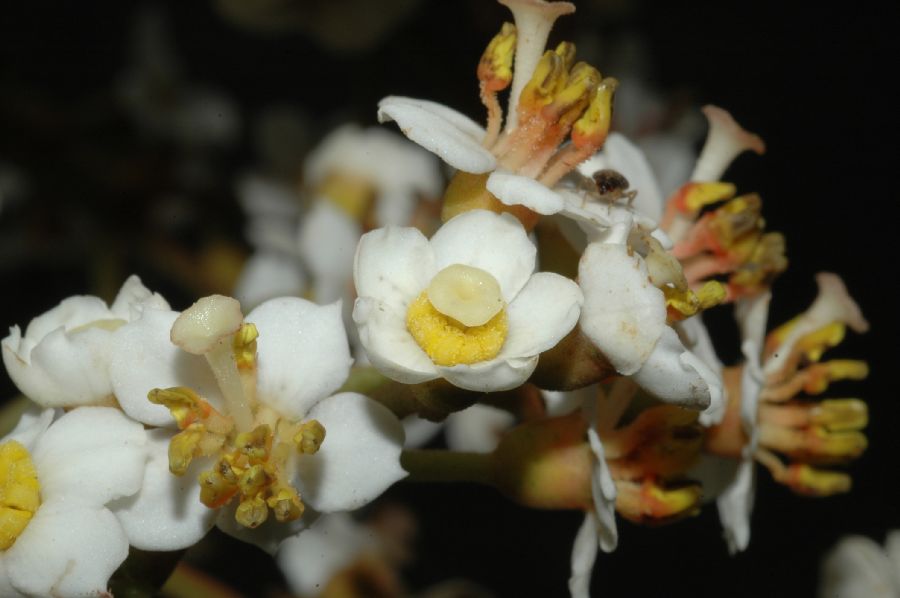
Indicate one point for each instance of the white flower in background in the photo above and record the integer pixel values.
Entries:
(253, 400)
(62, 359)
(465, 306)
(859, 568)
(275, 268)
(57, 537)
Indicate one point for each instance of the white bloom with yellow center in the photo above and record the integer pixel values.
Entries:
(62, 359)
(57, 536)
(465, 306)
(253, 398)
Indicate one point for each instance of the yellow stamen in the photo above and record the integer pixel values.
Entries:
(816, 378)
(687, 302)
(814, 344)
(20, 491)
(187, 407)
(184, 446)
(309, 437)
(285, 503)
(651, 502)
(591, 129)
(548, 78)
(803, 479)
(449, 342)
(252, 512)
(256, 444)
(244, 346)
(694, 196)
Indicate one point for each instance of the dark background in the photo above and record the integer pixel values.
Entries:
(814, 85)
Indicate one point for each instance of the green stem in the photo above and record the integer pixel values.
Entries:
(448, 466)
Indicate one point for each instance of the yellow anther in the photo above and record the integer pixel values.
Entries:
(651, 502)
(692, 197)
(841, 415)
(592, 127)
(712, 293)
(253, 480)
(471, 296)
(687, 302)
(252, 512)
(244, 346)
(184, 404)
(822, 374)
(285, 503)
(218, 485)
(803, 479)
(20, 491)
(184, 446)
(255, 444)
(548, 78)
(449, 342)
(844, 445)
(495, 67)
(736, 219)
(570, 102)
(309, 437)
(352, 194)
(814, 344)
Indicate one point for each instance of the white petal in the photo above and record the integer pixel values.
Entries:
(491, 376)
(144, 358)
(624, 156)
(496, 243)
(696, 337)
(675, 375)
(544, 311)
(63, 369)
(389, 345)
(133, 297)
(91, 454)
(303, 355)
(418, 432)
(267, 275)
(393, 265)
(72, 312)
(328, 238)
(584, 553)
(672, 159)
(513, 189)
(451, 135)
(603, 490)
(736, 504)
(6, 588)
(311, 558)
(67, 550)
(32, 424)
(360, 457)
(623, 313)
(563, 403)
(166, 514)
(477, 429)
(262, 197)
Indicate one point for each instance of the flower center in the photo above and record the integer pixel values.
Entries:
(460, 317)
(19, 492)
(252, 446)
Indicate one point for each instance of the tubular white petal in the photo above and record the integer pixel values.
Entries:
(302, 353)
(133, 297)
(735, 506)
(268, 536)
(858, 568)
(496, 243)
(418, 432)
(266, 275)
(624, 315)
(359, 459)
(166, 514)
(491, 376)
(327, 240)
(454, 137)
(514, 189)
(603, 490)
(31, 425)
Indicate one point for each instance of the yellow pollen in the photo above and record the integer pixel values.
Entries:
(309, 437)
(20, 492)
(244, 345)
(591, 129)
(252, 512)
(469, 295)
(447, 341)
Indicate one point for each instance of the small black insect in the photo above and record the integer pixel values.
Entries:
(612, 186)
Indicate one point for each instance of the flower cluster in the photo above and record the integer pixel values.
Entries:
(550, 318)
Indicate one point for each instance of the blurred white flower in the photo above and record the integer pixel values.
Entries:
(859, 568)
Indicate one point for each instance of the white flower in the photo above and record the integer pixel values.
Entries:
(859, 568)
(83, 460)
(62, 359)
(287, 382)
(397, 267)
